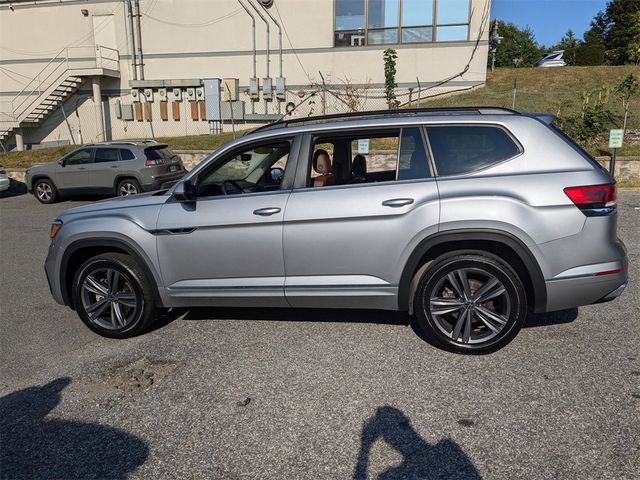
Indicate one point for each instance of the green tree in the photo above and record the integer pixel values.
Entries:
(633, 50)
(622, 31)
(598, 29)
(516, 44)
(567, 42)
(627, 89)
(390, 56)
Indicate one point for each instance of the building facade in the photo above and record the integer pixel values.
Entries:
(77, 71)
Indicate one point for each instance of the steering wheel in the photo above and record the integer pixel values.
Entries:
(234, 184)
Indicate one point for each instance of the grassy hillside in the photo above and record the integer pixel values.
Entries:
(553, 90)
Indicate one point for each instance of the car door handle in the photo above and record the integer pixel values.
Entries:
(265, 212)
(82, 168)
(114, 166)
(397, 202)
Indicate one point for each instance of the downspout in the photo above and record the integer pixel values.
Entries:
(253, 27)
(139, 31)
(267, 36)
(279, 35)
(132, 42)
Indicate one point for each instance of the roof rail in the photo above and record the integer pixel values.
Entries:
(486, 110)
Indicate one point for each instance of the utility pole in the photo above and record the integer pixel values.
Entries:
(139, 42)
(494, 41)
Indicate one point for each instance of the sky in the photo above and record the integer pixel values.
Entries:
(549, 19)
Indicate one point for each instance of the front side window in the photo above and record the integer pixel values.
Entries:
(257, 169)
(79, 157)
(376, 22)
(463, 149)
(104, 155)
(369, 158)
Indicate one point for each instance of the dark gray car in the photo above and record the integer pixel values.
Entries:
(464, 217)
(111, 168)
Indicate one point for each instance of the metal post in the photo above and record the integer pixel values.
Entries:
(612, 164)
(253, 28)
(515, 89)
(324, 94)
(97, 102)
(19, 140)
(139, 42)
(132, 42)
(419, 92)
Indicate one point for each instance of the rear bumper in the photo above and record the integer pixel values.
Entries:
(163, 181)
(588, 288)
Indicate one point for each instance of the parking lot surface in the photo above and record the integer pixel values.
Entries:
(250, 393)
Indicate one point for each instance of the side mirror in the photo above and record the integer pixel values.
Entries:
(61, 162)
(184, 191)
(276, 174)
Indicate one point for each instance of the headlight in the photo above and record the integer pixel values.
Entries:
(55, 228)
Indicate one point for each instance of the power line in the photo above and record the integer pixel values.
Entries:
(194, 25)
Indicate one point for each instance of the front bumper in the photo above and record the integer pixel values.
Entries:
(52, 266)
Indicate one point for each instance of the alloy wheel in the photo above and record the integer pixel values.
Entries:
(470, 305)
(127, 189)
(44, 192)
(109, 299)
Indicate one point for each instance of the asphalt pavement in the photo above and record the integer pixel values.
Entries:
(308, 394)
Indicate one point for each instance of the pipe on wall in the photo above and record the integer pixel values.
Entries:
(253, 27)
(132, 41)
(266, 22)
(139, 42)
(279, 35)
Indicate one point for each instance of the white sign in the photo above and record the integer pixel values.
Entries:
(363, 146)
(615, 138)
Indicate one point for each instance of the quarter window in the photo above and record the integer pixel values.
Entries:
(462, 149)
(127, 154)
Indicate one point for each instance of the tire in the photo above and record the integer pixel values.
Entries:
(45, 191)
(123, 311)
(127, 187)
(497, 315)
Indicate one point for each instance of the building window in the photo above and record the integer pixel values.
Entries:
(381, 22)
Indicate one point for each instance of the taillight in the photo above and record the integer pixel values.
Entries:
(152, 163)
(593, 200)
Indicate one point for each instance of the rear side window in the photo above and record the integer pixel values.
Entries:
(127, 154)
(462, 149)
(159, 153)
(107, 155)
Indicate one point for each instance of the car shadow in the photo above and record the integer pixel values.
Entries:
(15, 189)
(420, 459)
(35, 447)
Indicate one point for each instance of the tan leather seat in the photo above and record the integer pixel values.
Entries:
(322, 165)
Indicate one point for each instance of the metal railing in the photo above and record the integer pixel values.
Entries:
(57, 70)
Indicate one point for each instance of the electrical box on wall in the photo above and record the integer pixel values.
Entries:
(191, 94)
(230, 89)
(267, 88)
(200, 93)
(211, 92)
(135, 94)
(281, 88)
(254, 88)
(148, 94)
(176, 94)
(162, 93)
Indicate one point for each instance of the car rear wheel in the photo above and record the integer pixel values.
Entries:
(128, 187)
(45, 191)
(113, 297)
(470, 303)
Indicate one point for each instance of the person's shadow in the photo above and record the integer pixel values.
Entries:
(420, 459)
(34, 447)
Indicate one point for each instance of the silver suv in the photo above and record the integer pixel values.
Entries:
(112, 168)
(466, 218)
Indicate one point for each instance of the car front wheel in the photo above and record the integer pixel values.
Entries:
(470, 303)
(45, 191)
(113, 297)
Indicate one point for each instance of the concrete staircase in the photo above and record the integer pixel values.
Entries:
(55, 83)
